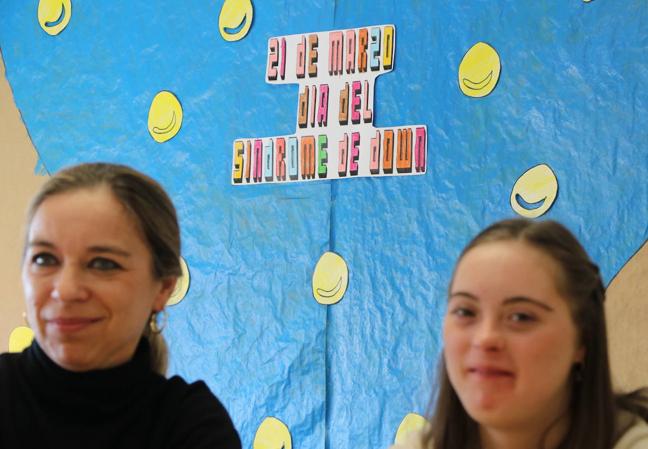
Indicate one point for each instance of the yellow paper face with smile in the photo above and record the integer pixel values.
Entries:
(182, 286)
(20, 338)
(235, 19)
(479, 70)
(534, 192)
(330, 279)
(412, 422)
(54, 15)
(165, 116)
(272, 434)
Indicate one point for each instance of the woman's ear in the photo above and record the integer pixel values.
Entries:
(579, 356)
(167, 287)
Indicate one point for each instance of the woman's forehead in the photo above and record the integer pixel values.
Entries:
(506, 268)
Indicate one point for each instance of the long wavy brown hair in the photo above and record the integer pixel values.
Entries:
(593, 410)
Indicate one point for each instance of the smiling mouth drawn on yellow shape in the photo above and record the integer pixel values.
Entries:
(167, 128)
(330, 278)
(480, 84)
(332, 292)
(57, 21)
(530, 206)
(236, 29)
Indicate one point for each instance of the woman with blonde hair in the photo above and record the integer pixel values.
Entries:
(101, 259)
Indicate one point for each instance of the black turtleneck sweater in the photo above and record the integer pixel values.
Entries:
(45, 406)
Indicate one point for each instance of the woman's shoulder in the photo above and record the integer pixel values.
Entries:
(197, 415)
(193, 397)
(635, 437)
(9, 363)
(9, 358)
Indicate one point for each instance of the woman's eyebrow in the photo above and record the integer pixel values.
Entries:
(526, 299)
(507, 301)
(108, 249)
(463, 294)
(101, 249)
(44, 243)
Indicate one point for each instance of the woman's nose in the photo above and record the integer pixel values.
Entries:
(69, 285)
(488, 336)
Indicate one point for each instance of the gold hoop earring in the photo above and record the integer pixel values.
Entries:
(153, 322)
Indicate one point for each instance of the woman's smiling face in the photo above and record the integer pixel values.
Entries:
(510, 339)
(88, 280)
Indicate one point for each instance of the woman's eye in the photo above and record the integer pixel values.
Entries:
(103, 264)
(44, 260)
(463, 312)
(521, 317)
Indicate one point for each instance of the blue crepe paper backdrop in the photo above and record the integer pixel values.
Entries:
(573, 94)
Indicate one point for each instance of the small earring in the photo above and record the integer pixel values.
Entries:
(153, 322)
(24, 317)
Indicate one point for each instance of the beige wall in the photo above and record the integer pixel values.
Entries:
(17, 184)
(627, 303)
(627, 315)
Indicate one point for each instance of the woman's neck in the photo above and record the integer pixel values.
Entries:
(538, 436)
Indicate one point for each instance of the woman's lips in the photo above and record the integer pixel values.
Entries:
(489, 372)
(69, 325)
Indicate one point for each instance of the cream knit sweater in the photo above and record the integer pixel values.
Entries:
(636, 437)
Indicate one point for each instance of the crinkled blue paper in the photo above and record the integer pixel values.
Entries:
(573, 94)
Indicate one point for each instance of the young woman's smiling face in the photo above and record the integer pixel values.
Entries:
(510, 339)
(88, 280)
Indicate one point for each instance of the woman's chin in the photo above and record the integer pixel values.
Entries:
(71, 356)
(492, 410)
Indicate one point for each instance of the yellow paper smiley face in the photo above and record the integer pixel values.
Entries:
(182, 285)
(330, 279)
(479, 70)
(272, 434)
(54, 15)
(534, 192)
(411, 423)
(165, 116)
(20, 338)
(235, 19)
